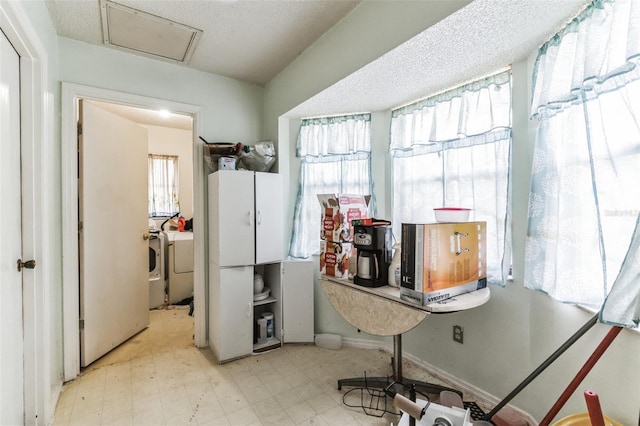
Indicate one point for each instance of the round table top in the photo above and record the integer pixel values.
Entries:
(381, 312)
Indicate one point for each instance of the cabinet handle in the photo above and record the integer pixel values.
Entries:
(259, 217)
(249, 309)
(250, 217)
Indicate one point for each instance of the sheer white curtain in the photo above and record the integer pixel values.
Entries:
(585, 191)
(453, 149)
(335, 155)
(163, 185)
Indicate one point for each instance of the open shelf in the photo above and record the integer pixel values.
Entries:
(268, 300)
(271, 343)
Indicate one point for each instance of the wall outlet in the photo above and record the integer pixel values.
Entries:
(458, 334)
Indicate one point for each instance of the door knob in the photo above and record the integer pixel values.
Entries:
(29, 264)
(145, 236)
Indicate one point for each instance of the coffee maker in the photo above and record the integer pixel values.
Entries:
(374, 246)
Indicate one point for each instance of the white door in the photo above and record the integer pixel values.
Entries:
(113, 212)
(297, 301)
(231, 218)
(269, 218)
(231, 312)
(11, 325)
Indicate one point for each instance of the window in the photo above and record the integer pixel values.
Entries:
(335, 155)
(453, 150)
(163, 185)
(584, 198)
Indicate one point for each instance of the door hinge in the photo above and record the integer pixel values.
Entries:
(79, 226)
(79, 128)
(81, 324)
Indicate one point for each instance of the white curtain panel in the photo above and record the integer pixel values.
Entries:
(453, 150)
(335, 155)
(585, 196)
(163, 185)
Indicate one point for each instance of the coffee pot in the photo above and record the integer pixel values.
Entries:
(374, 247)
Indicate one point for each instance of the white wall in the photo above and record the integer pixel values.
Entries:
(167, 141)
(506, 339)
(231, 109)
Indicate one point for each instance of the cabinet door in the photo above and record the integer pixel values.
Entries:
(269, 218)
(231, 218)
(231, 312)
(297, 301)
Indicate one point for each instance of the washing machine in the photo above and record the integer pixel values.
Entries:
(157, 280)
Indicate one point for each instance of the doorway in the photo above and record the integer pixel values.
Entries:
(70, 95)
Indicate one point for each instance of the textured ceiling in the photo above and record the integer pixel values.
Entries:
(482, 37)
(253, 40)
(247, 40)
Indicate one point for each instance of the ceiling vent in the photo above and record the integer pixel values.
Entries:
(140, 32)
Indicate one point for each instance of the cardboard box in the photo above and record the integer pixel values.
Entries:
(337, 212)
(336, 258)
(337, 254)
(442, 260)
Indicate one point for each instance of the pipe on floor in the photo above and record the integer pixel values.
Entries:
(595, 356)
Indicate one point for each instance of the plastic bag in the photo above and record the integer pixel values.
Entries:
(259, 157)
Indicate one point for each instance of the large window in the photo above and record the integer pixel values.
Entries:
(335, 158)
(163, 185)
(453, 150)
(585, 192)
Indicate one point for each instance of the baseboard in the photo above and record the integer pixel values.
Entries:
(479, 395)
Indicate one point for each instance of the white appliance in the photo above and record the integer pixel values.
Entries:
(157, 282)
(179, 265)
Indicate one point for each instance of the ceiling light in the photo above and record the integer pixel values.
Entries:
(140, 32)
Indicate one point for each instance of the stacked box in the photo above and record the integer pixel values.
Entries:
(336, 231)
(442, 260)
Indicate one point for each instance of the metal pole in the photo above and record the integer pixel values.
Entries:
(397, 357)
(543, 366)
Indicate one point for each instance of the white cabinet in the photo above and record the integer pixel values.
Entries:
(246, 237)
(245, 218)
(231, 311)
(297, 301)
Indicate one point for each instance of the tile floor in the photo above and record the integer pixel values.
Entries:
(159, 378)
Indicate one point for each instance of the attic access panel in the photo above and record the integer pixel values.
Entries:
(140, 32)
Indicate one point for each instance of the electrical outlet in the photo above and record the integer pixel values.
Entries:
(458, 334)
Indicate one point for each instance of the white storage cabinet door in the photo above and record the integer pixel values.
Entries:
(269, 218)
(232, 218)
(297, 301)
(231, 312)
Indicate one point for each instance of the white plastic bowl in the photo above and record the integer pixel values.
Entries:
(452, 214)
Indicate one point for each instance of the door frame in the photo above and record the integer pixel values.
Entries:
(36, 144)
(70, 277)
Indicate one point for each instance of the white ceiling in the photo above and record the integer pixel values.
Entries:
(253, 40)
(247, 40)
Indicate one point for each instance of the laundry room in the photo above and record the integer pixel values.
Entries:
(170, 201)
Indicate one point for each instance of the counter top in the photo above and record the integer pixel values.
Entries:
(456, 303)
(381, 312)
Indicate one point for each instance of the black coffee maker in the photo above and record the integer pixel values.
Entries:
(374, 246)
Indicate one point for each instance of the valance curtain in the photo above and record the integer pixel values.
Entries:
(585, 191)
(163, 185)
(335, 154)
(453, 149)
